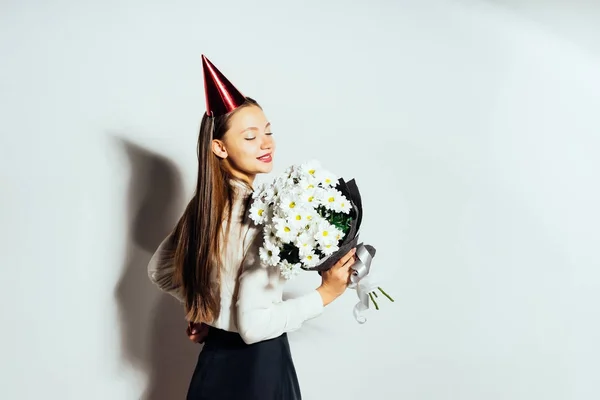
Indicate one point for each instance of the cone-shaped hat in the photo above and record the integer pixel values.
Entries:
(221, 96)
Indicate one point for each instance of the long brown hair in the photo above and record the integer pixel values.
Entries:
(198, 232)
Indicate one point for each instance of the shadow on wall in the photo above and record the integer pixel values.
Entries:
(152, 323)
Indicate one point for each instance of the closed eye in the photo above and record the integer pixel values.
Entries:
(269, 134)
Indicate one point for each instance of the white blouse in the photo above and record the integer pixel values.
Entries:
(251, 292)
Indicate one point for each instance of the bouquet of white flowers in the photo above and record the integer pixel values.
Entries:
(310, 219)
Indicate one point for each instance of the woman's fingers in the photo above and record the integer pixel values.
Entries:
(352, 261)
(347, 257)
(346, 269)
(197, 332)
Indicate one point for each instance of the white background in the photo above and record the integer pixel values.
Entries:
(471, 128)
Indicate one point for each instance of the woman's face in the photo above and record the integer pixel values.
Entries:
(248, 145)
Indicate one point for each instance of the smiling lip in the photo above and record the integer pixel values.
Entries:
(266, 158)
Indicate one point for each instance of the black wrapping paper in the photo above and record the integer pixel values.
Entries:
(350, 191)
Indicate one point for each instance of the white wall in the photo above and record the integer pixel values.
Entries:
(470, 126)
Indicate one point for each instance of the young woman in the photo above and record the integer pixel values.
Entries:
(210, 261)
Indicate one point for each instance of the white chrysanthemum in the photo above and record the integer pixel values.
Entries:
(258, 190)
(280, 186)
(300, 218)
(295, 191)
(310, 259)
(329, 248)
(276, 190)
(289, 270)
(331, 199)
(315, 221)
(284, 181)
(326, 178)
(284, 230)
(288, 204)
(343, 205)
(305, 242)
(310, 167)
(302, 201)
(307, 182)
(267, 194)
(269, 253)
(320, 196)
(312, 216)
(308, 198)
(326, 233)
(278, 213)
(288, 171)
(258, 212)
(270, 235)
(339, 236)
(295, 172)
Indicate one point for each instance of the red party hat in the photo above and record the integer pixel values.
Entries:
(221, 96)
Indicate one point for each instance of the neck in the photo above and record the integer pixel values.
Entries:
(244, 177)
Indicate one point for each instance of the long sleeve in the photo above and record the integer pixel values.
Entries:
(161, 269)
(261, 312)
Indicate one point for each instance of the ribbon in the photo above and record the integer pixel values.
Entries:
(360, 281)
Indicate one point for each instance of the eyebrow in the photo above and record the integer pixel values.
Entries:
(253, 128)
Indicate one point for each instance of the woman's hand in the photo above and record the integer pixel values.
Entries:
(336, 280)
(197, 332)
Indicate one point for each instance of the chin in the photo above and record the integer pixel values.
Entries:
(265, 168)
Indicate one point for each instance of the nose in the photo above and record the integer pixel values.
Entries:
(267, 142)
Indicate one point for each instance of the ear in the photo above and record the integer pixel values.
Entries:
(218, 147)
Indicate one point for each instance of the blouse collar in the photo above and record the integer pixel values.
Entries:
(243, 186)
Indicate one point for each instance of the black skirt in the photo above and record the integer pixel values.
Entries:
(230, 369)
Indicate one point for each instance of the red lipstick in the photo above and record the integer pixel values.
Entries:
(265, 158)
